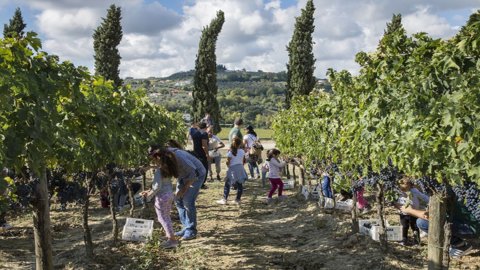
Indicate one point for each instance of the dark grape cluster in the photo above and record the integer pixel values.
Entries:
(429, 185)
(469, 195)
(388, 176)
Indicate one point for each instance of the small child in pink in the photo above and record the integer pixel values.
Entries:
(163, 191)
(274, 167)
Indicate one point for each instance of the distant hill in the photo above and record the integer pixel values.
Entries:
(253, 95)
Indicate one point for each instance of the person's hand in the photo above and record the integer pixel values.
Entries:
(425, 215)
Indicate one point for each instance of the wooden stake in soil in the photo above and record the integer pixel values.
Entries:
(437, 217)
(354, 211)
(87, 236)
(380, 209)
(41, 225)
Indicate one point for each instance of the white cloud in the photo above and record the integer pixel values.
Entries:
(158, 41)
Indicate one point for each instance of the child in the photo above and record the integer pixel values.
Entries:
(275, 166)
(326, 186)
(236, 174)
(163, 192)
(362, 203)
(265, 171)
(410, 196)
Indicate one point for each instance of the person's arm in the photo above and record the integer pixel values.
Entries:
(229, 159)
(205, 147)
(414, 212)
(220, 143)
(185, 187)
(420, 195)
(277, 163)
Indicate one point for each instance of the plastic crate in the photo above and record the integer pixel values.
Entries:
(346, 205)
(394, 233)
(136, 229)
(289, 184)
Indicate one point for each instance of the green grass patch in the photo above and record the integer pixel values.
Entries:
(263, 133)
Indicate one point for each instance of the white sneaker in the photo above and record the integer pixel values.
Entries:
(222, 201)
(251, 178)
(423, 234)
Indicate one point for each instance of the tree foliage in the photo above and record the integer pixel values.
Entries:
(15, 27)
(205, 78)
(106, 39)
(301, 63)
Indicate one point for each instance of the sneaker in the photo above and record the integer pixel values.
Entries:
(222, 201)
(218, 177)
(251, 178)
(180, 233)
(170, 244)
(189, 235)
(269, 201)
(423, 234)
(237, 202)
(211, 178)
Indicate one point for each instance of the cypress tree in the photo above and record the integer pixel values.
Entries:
(15, 27)
(301, 63)
(205, 78)
(106, 39)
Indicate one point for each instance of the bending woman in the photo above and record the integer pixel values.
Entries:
(190, 174)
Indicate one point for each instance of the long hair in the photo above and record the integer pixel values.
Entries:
(167, 162)
(271, 153)
(174, 144)
(236, 144)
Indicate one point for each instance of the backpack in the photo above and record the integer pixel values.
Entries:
(255, 152)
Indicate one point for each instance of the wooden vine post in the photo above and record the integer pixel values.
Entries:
(380, 210)
(436, 236)
(87, 235)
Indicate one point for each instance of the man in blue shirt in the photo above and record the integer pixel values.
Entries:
(200, 145)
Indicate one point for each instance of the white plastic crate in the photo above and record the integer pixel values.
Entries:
(289, 184)
(394, 233)
(136, 229)
(344, 205)
(316, 192)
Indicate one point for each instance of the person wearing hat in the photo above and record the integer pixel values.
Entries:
(248, 141)
(236, 130)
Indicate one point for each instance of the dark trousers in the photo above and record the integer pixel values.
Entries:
(226, 189)
(205, 164)
(408, 222)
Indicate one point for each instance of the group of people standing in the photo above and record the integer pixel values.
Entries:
(191, 168)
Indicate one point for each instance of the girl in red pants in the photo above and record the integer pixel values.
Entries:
(275, 166)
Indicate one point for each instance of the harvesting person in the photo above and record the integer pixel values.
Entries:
(274, 168)
(327, 185)
(163, 191)
(236, 174)
(410, 196)
(251, 144)
(214, 144)
(190, 174)
(199, 136)
(265, 169)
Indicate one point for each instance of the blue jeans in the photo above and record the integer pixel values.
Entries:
(326, 188)
(226, 190)
(187, 211)
(251, 168)
(458, 229)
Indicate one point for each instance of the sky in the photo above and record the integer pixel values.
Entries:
(161, 36)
